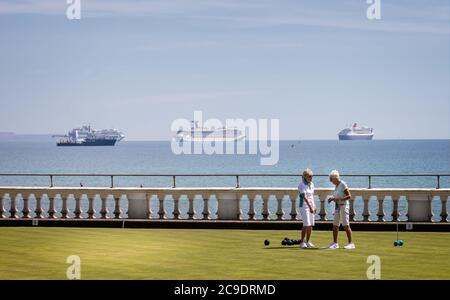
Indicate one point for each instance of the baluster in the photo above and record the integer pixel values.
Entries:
(191, 211)
(2, 209)
(206, 211)
(25, 210)
(430, 209)
(148, 208)
(444, 214)
(280, 211)
(104, 209)
(251, 208)
(380, 213)
(366, 213)
(64, 209)
(13, 209)
(352, 210)
(77, 210)
(176, 210)
(322, 212)
(39, 211)
(117, 210)
(161, 211)
(265, 212)
(293, 208)
(51, 207)
(91, 210)
(395, 214)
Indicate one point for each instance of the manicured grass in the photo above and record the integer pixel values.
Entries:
(41, 253)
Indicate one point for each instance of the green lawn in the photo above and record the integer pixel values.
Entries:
(41, 253)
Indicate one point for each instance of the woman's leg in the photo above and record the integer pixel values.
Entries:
(336, 223)
(304, 229)
(308, 233)
(348, 230)
(335, 233)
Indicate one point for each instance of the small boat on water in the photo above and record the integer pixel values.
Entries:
(356, 132)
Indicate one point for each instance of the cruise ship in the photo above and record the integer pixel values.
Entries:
(202, 134)
(87, 136)
(356, 132)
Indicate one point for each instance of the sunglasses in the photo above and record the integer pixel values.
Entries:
(309, 176)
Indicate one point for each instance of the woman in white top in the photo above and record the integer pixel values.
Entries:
(307, 207)
(341, 197)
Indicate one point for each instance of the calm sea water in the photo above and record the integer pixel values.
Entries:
(349, 157)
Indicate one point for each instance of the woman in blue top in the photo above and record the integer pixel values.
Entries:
(307, 208)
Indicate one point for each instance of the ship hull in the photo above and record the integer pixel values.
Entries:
(89, 143)
(354, 137)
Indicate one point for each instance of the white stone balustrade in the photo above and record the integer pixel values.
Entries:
(229, 203)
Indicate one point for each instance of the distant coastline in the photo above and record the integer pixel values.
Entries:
(12, 137)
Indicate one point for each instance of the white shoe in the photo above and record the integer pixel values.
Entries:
(333, 246)
(303, 245)
(310, 245)
(350, 246)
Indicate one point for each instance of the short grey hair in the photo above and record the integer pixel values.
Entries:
(307, 172)
(335, 174)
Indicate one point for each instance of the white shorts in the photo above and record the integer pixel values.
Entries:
(307, 216)
(342, 215)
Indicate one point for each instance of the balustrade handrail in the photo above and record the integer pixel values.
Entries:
(235, 175)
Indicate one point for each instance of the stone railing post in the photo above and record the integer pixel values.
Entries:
(25, 210)
(251, 206)
(161, 211)
(148, 208)
(228, 206)
(38, 211)
(419, 207)
(137, 205)
(104, 209)
(366, 213)
(64, 209)
(293, 208)
(77, 210)
(265, 210)
(280, 211)
(13, 208)
(191, 211)
(322, 211)
(117, 210)
(51, 207)
(2, 209)
(176, 209)
(206, 211)
(395, 214)
(444, 214)
(91, 210)
(352, 210)
(380, 213)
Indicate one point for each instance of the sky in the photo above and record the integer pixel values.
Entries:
(317, 66)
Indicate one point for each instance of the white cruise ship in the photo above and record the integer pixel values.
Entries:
(204, 134)
(87, 136)
(356, 132)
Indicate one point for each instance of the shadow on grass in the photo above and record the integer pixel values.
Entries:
(290, 248)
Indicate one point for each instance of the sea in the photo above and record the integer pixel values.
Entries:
(381, 157)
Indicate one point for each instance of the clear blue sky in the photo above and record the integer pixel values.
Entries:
(137, 65)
